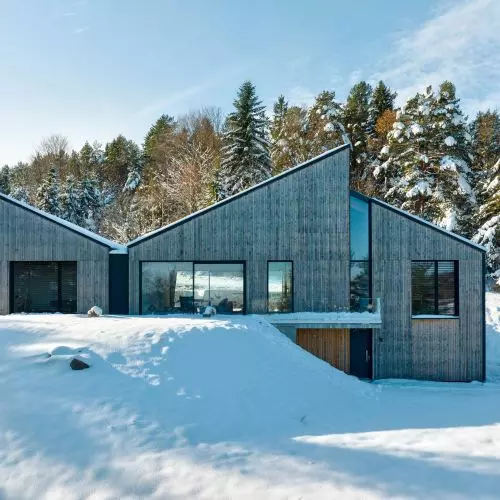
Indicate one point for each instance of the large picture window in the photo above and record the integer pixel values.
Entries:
(434, 287)
(279, 287)
(187, 287)
(44, 287)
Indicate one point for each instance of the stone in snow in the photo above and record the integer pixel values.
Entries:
(78, 364)
(94, 312)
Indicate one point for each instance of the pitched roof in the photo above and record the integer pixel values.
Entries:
(421, 221)
(290, 171)
(115, 247)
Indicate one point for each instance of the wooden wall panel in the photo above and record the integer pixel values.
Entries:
(432, 349)
(330, 345)
(26, 236)
(302, 217)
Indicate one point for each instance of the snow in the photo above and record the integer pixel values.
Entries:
(69, 225)
(421, 188)
(416, 128)
(186, 407)
(450, 141)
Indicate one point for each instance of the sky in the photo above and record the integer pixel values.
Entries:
(93, 69)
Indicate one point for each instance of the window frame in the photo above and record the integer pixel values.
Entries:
(436, 314)
(194, 262)
(269, 261)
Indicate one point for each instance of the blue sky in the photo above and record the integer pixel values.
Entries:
(92, 69)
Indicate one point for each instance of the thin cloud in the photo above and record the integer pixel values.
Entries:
(79, 31)
(461, 44)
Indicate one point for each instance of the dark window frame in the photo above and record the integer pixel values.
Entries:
(293, 286)
(436, 288)
(59, 263)
(194, 262)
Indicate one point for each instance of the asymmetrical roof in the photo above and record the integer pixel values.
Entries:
(114, 247)
(290, 171)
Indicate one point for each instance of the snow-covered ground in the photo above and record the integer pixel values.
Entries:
(228, 408)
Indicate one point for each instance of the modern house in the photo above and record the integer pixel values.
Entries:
(50, 265)
(373, 290)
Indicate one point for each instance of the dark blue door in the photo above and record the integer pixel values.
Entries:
(361, 353)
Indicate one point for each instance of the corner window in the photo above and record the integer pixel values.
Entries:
(434, 287)
(279, 287)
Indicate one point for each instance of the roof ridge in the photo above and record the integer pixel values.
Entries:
(68, 225)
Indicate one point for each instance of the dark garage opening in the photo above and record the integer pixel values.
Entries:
(43, 287)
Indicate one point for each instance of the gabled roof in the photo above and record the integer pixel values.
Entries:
(115, 247)
(290, 171)
(419, 220)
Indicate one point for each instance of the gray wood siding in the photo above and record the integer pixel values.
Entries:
(26, 236)
(448, 350)
(302, 217)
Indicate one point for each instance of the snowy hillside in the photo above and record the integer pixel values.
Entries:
(228, 408)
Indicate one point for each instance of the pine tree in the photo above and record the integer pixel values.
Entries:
(356, 118)
(20, 194)
(122, 158)
(426, 169)
(488, 234)
(5, 179)
(245, 155)
(91, 203)
(47, 196)
(70, 202)
(165, 125)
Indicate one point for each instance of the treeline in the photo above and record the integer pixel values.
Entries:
(425, 157)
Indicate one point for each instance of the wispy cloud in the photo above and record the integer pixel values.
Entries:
(79, 31)
(68, 14)
(461, 44)
(299, 96)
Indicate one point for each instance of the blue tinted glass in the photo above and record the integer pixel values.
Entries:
(359, 229)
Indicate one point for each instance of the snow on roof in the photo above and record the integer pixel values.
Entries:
(430, 224)
(241, 193)
(116, 247)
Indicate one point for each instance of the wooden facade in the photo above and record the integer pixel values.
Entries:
(301, 216)
(434, 348)
(28, 236)
(330, 345)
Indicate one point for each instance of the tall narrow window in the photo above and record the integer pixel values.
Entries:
(279, 286)
(434, 287)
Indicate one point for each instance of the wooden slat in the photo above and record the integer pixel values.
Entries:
(302, 217)
(330, 345)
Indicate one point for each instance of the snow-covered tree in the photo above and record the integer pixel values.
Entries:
(92, 202)
(277, 132)
(20, 194)
(47, 196)
(427, 160)
(488, 234)
(245, 154)
(382, 100)
(70, 202)
(356, 118)
(5, 179)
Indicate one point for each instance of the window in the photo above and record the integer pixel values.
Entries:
(186, 287)
(359, 233)
(39, 287)
(279, 287)
(434, 287)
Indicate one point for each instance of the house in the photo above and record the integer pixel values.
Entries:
(50, 265)
(370, 289)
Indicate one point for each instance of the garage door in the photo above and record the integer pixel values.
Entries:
(38, 287)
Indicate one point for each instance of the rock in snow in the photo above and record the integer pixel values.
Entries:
(78, 364)
(94, 312)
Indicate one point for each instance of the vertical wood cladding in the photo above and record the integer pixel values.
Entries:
(439, 349)
(302, 217)
(26, 236)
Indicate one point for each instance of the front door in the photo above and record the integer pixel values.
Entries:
(361, 353)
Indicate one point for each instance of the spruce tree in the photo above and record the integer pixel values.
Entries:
(5, 179)
(70, 202)
(277, 133)
(356, 118)
(382, 99)
(47, 196)
(488, 233)
(245, 154)
(91, 203)
(426, 169)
